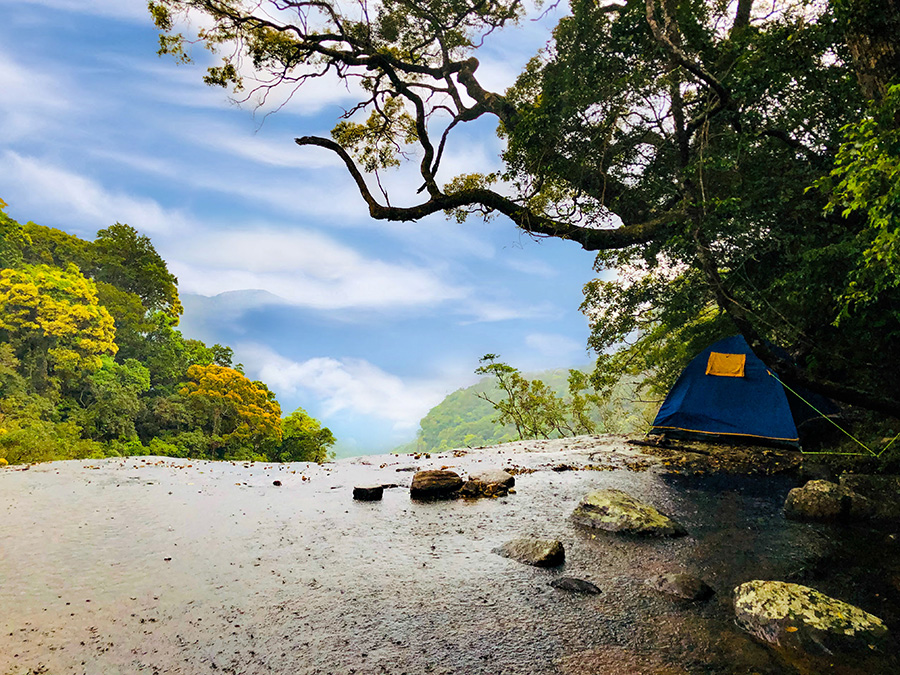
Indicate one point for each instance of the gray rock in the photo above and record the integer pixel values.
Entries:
(368, 493)
(802, 619)
(574, 585)
(435, 484)
(821, 500)
(537, 552)
(494, 477)
(616, 511)
(882, 491)
(682, 586)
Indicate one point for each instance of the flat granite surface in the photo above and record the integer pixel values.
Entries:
(160, 565)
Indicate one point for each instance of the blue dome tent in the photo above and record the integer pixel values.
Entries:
(727, 394)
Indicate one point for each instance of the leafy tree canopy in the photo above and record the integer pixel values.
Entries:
(678, 138)
(236, 411)
(53, 320)
(304, 439)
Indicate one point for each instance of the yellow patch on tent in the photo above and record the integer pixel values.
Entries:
(726, 365)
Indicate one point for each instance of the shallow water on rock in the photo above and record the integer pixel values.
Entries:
(178, 566)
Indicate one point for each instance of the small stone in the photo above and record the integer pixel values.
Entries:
(574, 585)
(531, 551)
(368, 493)
(682, 586)
(495, 477)
(276, 483)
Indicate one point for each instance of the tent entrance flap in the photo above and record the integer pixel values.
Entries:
(726, 365)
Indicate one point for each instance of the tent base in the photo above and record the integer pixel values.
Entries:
(724, 439)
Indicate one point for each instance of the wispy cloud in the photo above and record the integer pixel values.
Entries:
(55, 194)
(485, 311)
(353, 385)
(306, 269)
(29, 96)
(555, 345)
(119, 9)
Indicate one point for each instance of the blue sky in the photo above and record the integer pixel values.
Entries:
(365, 324)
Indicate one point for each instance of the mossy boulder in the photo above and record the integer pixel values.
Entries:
(617, 511)
(821, 500)
(801, 619)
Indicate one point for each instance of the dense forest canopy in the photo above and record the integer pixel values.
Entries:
(733, 162)
(92, 364)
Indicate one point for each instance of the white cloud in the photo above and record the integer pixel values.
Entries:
(28, 95)
(119, 9)
(353, 385)
(531, 266)
(55, 194)
(280, 152)
(485, 311)
(306, 269)
(554, 344)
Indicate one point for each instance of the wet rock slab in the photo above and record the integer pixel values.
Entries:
(435, 484)
(616, 511)
(801, 619)
(531, 551)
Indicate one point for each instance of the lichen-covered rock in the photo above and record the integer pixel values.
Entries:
(682, 586)
(802, 619)
(574, 585)
(531, 551)
(368, 493)
(822, 500)
(882, 491)
(435, 484)
(616, 511)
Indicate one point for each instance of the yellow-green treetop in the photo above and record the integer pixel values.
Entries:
(239, 411)
(52, 316)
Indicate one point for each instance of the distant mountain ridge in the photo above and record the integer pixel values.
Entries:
(464, 420)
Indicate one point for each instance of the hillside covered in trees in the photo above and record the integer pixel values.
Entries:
(92, 363)
(468, 418)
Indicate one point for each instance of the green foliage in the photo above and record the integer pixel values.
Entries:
(110, 400)
(467, 418)
(242, 418)
(67, 308)
(866, 181)
(377, 143)
(54, 322)
(304, 439)
(530, 405)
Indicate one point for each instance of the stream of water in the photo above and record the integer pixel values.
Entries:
(177, 566)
